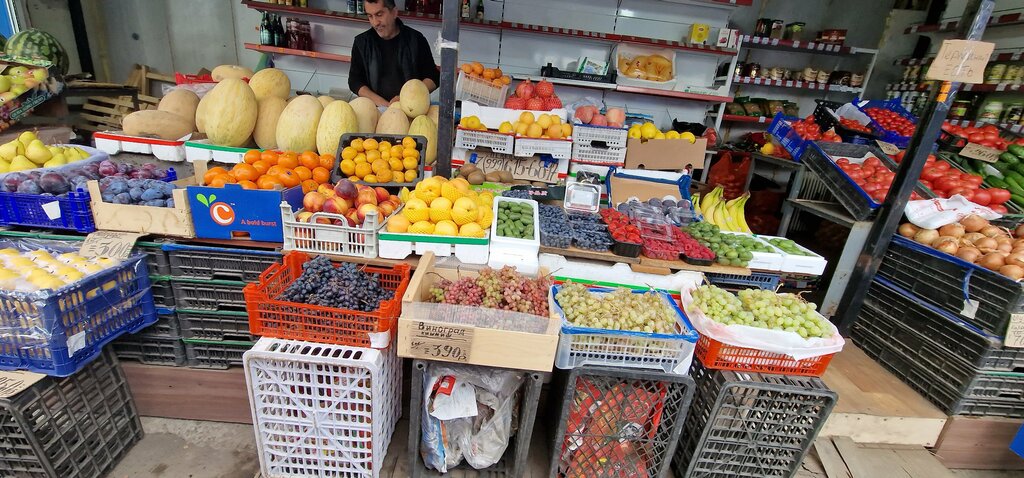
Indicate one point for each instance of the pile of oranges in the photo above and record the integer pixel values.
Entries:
(493, 75)
(372, 161)
(275, 170)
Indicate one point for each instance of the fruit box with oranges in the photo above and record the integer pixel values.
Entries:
(350, 158)
(233, 212)
(166, 221)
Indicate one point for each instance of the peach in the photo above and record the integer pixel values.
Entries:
(335, 205)
(313, 201)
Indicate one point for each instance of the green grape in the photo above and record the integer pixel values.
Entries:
(763, 309)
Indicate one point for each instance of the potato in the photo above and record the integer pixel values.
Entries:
(540, 184)
(467, 169)
(506, 177)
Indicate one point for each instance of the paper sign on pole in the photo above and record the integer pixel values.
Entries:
(961, 61)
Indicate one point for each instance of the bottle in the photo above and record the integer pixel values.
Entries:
(360, 9)
(265, 30)
(465, 9)
(352, 6)
(480, 11)
(280, 37)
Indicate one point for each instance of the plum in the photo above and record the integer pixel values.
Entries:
(107, 197)
(78, 181)
(107, 168)
(29, 187)
(117, 185)
(135, 194)
(135, 174)
(169, 202)
(12, 180)
(124, 168)
(654, 202)
(136, 183)
(152, 194)
(149, 166)
(154, 203)
(667, 203)
(54, 183)
(144, 173)
(123, 198)
(91, 170)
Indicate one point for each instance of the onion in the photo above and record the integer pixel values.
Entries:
(926, 236)
(973, 236)
(969, 254)
(1012, 271)
(1019, 232)
(1018, 242)
(947, 244)
(1004, 240)
(992, 231)
(1015, 259)
(955, 230)
(986, 244)
(908, 230)
(1018, 249)
(1005, 248)
(992, 261)
(974, 223)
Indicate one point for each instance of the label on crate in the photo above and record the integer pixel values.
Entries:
(981, 153)
(1015, 332)
(961, 60)
(111, 244)
(529, 169)
(887, 147)
(970, 308)
(441, 341)
(14, 381)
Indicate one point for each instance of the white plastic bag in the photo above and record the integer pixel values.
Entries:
(769, 340)
(935, 213)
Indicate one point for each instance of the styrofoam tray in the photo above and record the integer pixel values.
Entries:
(202, 150)
(113, 142)
(521, 253)
(810, 265)
(763, 260)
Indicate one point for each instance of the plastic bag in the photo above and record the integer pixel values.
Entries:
(777, 341)
(467, 414)
(935, 213)
(730, 175)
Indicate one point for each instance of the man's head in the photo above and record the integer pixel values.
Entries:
(382, 15)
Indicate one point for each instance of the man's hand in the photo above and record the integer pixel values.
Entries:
(379, 101)
(393, 101)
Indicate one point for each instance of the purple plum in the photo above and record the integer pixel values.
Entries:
(29, 187)
(54, 183)
(123, 198)
(12, 180)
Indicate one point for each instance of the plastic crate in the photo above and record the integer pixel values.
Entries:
(271, 317)
(787, 137)
(552, 72)
(825, 117)
(892, 105)
(72, 212)
(591, 154)
(156, 258)
(231, 326)
(394, 139)
(166, 325)
(330, 239)
(556, 148)
(720, 356)
(151, 350)
(616, 422)
(80, 426)
(345, 430)
(208, 294)
(578, 346)
(211, 354)
(503, 143)
(750, 424)
(57, 332)
(480, 91)
(946, 281)
(601, 136)
(163, 293)
(218, 263)
(513, 463)
(756, 280)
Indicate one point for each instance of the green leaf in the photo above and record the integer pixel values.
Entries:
(202, 198)
(212, 198)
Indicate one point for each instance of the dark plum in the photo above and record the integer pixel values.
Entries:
(107, 168)
(29, 187)
(135, 194)
(54, 183)
(151, 195)
(123, 198)
(12, 180)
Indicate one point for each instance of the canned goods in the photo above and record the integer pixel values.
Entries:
(995, 73)
(960, 109)
(1014, 73)
(991, 112)
(1013, 113)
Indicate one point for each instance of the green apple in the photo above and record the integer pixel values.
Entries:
(18, 89)
(17, 70)
(17, 80)
(5, 84)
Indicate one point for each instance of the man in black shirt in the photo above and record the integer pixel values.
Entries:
(389, 54)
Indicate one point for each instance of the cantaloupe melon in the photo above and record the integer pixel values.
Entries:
(230, 114)
(415, 98)
(393, 121)
(325, 100)
(181, 102)
(337, 119)
(224, 72)
(268, 111)
(296, 128)
(156, 124)
(434, 112)
(423, 126)
(367, 114)
(270, 82)
(201, 114)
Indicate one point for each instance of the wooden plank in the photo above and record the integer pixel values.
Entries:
(682, 266)
(830, 459)
(920, 463)
(191, 394)
(115, 122)
(149, 99)
(869, 463)
(592, 255)
(161, 77)
(125, 101)
(102, 109)
(648, 269)
(979, 443)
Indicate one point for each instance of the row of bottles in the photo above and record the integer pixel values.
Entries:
(273, 33)
(466, 15)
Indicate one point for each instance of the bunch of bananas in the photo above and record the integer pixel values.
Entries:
(727, 215)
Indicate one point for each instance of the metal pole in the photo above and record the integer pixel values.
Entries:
(449, 62)
(891, 211)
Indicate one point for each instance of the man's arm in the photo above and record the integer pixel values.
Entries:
(426, 70)
(378, 100)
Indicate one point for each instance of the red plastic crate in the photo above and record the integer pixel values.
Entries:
(186, 79)
(717, 355)
(270, 317)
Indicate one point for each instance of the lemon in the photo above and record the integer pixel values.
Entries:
(648, 131)
(672, 134)
(634, 132)
(768, 149)
(659, 135)
(526, 117)
(473, 122)
(505, 127)
(689, 137)
(544, 121)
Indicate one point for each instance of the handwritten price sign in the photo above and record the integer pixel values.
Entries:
(981, 153)
(530, 169)
(441, 341)
(961, 60)
(110, 244)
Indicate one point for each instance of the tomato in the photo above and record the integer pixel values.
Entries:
(966, 193)
(999, 208)
(931, 174)
(981, 197)
(998, 195)
(973, 179)
(976, 137)
(947, 184)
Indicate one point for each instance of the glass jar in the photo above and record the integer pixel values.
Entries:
(991, 112)
(960, 109)
(995, 73)
(1013, 113)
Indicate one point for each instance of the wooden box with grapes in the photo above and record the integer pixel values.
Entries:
(491, 317)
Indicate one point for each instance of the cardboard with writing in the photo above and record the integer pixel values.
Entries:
(961, 61)
(665, 154)
(13, 382)
(532, 168)
(623, 184)
(110, 244)
(981, 153)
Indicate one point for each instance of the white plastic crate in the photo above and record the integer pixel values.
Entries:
(480, 91)
(322, 410)
(493, 117)
(767, 261)
(583, 134)
(498, 142)
(399, 245)
(329, 239)
(203, 150)
(521, 253)
(590, 154)
(113, 142)
(557, 148)
(811, 265)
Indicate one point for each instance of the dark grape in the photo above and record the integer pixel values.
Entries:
(342, 287)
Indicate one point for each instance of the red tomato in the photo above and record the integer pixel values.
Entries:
(998, 195)
(999, 208)
(931, 174)
(941, 166)
(981, 197)
(966, 193)
(973, 179)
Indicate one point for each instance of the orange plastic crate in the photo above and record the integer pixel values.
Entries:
(716, 355)
(269, 317)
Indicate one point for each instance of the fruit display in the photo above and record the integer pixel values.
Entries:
(589, 232)
(726, 215)
(534, 97)
(646, 67)
(17, 79)
(27, 152)
(60, 182)
(618, 309)
(987, 135)
(649, 131)
(809, 130)
(696, 252)
(343, 287)
(515, 219)
(946, 181)
(763, 309)
(39, 269)
(788, 246)
(677, 212)
(891, 121)
(443, 208)
(491, 75)
(731, 249)
(872, 176)
(271, 170)
(1006, 174)
(33, 43)
(974, 239)
(353, 201)
(470, 172)
(554, 226)
(591, 115)
(503, 289)
(139, 192)
(473, 122)
(544, 126)
(372, 161)
(619, 226)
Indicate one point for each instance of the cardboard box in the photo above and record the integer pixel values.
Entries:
(665, 154)
(166, 221)
(232, 212)
(623, 184)
(17, 107)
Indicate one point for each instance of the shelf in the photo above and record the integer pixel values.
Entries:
(1002, 20)
(828, 211)
(673, 94)
(746, 119)
(1015, 128)
(1016, 54)
(503, 26)
(594, 85)
(291, 51)
(989, 88)
(817, 48)
(796, 84)
(906, 86)
(778, 162)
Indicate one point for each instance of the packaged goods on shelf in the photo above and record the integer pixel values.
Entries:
(645, 67)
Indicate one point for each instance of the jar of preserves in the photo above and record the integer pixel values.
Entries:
(995, 73)
(991, 112)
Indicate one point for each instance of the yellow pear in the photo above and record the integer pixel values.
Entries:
(21, 163)
(54, 150)
(27, 137)
(82, 153)
(11, 149)
(5, 166)
(57, 160)
(37, 152)
(71, 155)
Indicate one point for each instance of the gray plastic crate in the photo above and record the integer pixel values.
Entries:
(206, 325)
(219, 263)
(750, 424)
(166, 325)
(156, 258)
(513, 463)
(210, 295)
(163, 293)
(219, 355)
(79, 426)
(618, 422)
(169, 351)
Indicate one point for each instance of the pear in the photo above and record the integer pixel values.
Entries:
(11, 149)
(21, 163)
(37, 152)
(71, 155)
(57, 160)
(5, 166)
(27, 137)
(54, 150)
(82, 153)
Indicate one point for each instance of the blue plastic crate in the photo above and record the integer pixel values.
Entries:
(57, 332)
(786, 135)
(72, 211)
(760, 280)
(893, 105)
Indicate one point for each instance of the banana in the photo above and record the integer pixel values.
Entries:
(720, 217)
(710, 201)
(695, 201)
(741, 215)
(731, 206)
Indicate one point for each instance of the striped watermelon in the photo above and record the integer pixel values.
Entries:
(34, 43)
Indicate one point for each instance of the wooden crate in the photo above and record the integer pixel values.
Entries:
(467, 343)
(167, 221)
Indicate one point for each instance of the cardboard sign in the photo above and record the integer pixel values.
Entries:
(888, 148)
(1015, 332)
(441, 341)
(13, 382)
(981, 153)
(110, 244)
(530, 169)
(961, 61)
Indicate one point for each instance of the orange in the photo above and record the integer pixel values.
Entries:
(478, 69)
(245, 172)
(384, 146)
(261, 166)
(497, 82)
(488, 74)
(506, 80)
(309, 159)
(327, 161)
(408, 143)
(498, 73)
(467, 68)
(274, 170)
(303, 172)
(288, 178)
(268, 182)
(369, 144)
(397, 150)
(309, 185)
(288, 160)
(362, 169)
(323, 175)
(270, 157)
(248, 185)
(220, 180)
(251, 156)
(212, 173)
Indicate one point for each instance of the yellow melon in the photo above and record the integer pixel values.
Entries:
(423, 126)
(156, 124)
(367, 114)
(325, 100)
(415, 98)
(230, 114)
(224, 72)
(337, 119)
(434, 113)
(296, 128)
(181, 102)
(201, 114)
(393, 121)
(270, 82)
(268, 111)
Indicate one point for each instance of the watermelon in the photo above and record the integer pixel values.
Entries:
(34, 43)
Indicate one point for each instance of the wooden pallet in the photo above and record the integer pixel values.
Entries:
(105, 113)
(840, 457)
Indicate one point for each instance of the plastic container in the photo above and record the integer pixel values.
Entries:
(79, 426)
(626, 249)
(720, 356)
(557, 148)
(787, 137)
(72, 211)
(346, 430)
(512, 463)
(218, 263)
(826, 118)
(163, 293)
(214, 354)
(503, 143)
(114, 142)
(330, 239)
(631, 51)
(204, 150)
(607, 412)
(759, 280)
(768, 261)
(812, 264)
(480, 91)
(598, 155)
(579, 346)
(166, 325)
(217, 326)
(156, 258)
(421, 146)
(737, 416)
(208, 294)
(892, 105)
(598, 136)
(271, 317)
(552, 72)
(521, 253)
(151, 350)
(400, 245)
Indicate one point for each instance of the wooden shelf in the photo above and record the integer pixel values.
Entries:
(816, 48)
(795, 84)
(293, 52)
(1002, 20)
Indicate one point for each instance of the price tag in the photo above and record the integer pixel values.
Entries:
(441, 341)
(961, 60)
(981, 153)
(887, 147)
(529, 169)
(1015, 332)
(13, 382)
(110, 244)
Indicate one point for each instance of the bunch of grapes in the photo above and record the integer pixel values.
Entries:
(621, 309)
(504, 289)
(344, 287)
(762, 308)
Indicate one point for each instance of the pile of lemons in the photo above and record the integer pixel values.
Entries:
(649, 131)
(544, 126)
(442, 207)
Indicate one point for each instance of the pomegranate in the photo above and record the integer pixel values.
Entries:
(544, 89)
(552, 103)
(515, 103)
(535, 104)
(525, 89)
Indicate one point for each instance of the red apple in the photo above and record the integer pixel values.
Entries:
(313, 201)
(396, 199)
(303, 216)
(386, 208)
(365, 210)
(382, 194)
(346, 189)
(366, 196)
(335, 205)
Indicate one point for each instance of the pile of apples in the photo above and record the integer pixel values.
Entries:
(539, 97)
(350, 201)
(28, 152)
(590, 115)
